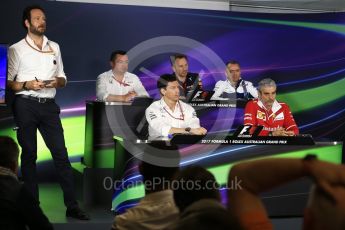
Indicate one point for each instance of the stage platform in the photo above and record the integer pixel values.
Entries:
(52, 205)
(101, 217)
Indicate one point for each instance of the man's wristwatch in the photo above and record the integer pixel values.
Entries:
(307, 160)
(310, 157)
(24, 86)
(188, 129)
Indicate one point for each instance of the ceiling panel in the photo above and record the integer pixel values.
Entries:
(271, 6)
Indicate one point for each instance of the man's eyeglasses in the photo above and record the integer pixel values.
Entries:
(122, 62)
(234, 71)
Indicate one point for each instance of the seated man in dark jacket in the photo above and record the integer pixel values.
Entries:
(188, 82)
(18, 208)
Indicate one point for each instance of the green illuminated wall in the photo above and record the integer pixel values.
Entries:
(74, 131)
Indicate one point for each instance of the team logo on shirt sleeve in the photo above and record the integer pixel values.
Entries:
(152, 115)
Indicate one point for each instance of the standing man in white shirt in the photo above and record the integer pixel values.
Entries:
(234, 86)
(117, 84)
(169, 115)
(35, 71)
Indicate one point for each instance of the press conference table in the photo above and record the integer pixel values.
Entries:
(113, 130)
(106, 121)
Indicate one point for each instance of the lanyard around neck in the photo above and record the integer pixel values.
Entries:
(50, 51)
(121, 83)
(181, 118)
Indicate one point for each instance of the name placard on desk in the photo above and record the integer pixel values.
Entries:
(210, 139)
(213, 104)
(229, 103)
(116, 103)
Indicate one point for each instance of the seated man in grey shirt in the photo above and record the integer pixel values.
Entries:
(117, 84)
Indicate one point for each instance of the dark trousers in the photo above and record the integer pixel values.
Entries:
(29, 116)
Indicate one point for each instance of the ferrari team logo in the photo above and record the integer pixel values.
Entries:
(260, 115)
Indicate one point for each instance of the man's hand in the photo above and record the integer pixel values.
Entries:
(52, 84)
(330, 178)
(289, 133)
(56, 83)
(336, 193)
(282, 132)
(198, 131)
(326, 173)
(129, 96)
(34, 85)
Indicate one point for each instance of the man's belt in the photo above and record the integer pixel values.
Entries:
(38, 99)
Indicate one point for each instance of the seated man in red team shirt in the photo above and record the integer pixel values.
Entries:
(275, 117)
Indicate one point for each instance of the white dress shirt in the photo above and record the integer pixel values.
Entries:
(106, 84)
(26, 62)
(161, 119)
(155, 211)
(226, 87)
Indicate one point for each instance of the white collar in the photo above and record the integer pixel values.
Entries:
(165, 104)
(230, 82)
(111, 74)
(32, 43)
(275, 107)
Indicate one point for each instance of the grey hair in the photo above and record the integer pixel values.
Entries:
(266, 82)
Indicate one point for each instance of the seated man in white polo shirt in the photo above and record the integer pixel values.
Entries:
(117, 84)
(169, 115)
(234, 86)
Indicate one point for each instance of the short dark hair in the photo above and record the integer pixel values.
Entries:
(164, 80)
(232, 62)
(27, 13)
(115, 53)
(206, 186)
(9, 152)
(177, 56)
(151, 168)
